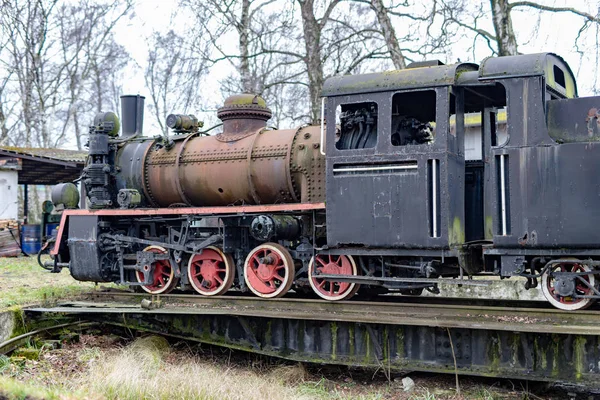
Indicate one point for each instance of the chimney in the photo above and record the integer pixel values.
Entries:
(132, 115)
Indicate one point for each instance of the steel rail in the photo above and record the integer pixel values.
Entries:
(17, 341)
(437, 315)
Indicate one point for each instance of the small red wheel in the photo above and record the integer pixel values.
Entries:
(163, 274)
(269, 270)
(211, 272)
(332, 265)
(568, 303)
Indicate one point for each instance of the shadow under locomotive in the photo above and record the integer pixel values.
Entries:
(414, 176)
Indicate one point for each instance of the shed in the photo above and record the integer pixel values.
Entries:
(34, 166)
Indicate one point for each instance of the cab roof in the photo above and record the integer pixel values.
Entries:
(557, 72)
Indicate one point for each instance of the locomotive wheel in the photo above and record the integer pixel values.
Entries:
(269, 270)
(332, 265)
(163, 274)
(211, 272)
(568, 303)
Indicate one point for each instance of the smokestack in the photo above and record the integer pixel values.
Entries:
(132, 115)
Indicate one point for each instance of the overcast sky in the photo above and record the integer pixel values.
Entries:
(536, 32)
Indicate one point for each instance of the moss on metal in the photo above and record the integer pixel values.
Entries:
(456, 234)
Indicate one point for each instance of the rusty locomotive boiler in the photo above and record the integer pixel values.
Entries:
(416, 177)
(245, 164)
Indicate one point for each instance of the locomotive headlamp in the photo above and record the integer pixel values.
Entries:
(107, 122)
(183, 123)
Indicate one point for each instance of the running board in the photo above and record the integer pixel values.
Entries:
(380, 281)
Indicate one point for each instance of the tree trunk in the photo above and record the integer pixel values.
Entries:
(389, 34)
(505, 35)
(243, 31)
(77, 130)
(314, 65)
(3, 128)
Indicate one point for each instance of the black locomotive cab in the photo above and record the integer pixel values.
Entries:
(493, 167)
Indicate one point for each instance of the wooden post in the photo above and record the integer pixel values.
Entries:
(25, 203)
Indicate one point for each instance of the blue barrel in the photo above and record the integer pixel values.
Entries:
(31, 240)
(51, 230)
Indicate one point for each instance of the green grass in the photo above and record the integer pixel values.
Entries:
(24, 282)
(13, 389)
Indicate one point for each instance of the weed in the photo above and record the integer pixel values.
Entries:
(4, 363)
(425, 396)
(90, 354)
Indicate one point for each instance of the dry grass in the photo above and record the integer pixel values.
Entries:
(149, 369)
(103, 367)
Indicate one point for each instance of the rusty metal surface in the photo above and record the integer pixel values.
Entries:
(242, 115)
(266, 167)
(574, 120)
(307, 166)
(531, 344)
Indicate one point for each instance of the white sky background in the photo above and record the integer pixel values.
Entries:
(536, 32)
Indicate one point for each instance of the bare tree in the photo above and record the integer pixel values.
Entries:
(173, 75)
(288, 49)
(503, 40)
(389, 34)
(313, 27)
(505, 35)
(88, 51)
(49, 51)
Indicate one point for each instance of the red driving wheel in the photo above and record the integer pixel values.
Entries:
(569, 303)
(269, 270)
(211, 272)
(328, 264)
(162, 273)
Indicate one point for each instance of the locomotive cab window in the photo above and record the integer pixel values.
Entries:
(413, 118)
(356, 126)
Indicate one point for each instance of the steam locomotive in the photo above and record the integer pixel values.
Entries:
(436, 173)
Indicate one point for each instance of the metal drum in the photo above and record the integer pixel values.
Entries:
(31, 241)
(51, 230)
